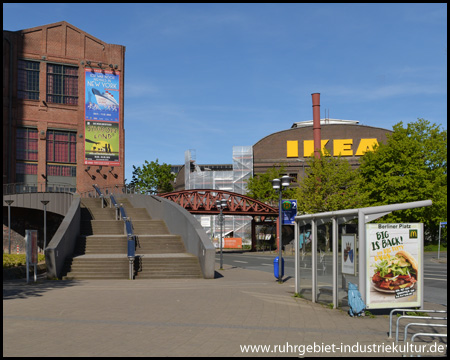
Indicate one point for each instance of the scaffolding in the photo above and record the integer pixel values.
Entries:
(234, 181)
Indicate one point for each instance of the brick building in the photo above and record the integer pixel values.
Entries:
(63, 106)
(295, 146)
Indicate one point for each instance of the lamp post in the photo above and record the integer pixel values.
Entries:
(279, 185)
(45, 202)
(221, 204)
(9, 202)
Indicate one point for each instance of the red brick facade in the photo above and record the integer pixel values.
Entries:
(63, 44)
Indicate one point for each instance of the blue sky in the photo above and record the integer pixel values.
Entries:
(212, 76)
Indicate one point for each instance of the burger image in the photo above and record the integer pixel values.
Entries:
(397, 272)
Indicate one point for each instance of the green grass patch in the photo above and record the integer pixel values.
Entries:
(434, 247)
(12, 260)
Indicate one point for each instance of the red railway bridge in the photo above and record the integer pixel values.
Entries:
(203, 202)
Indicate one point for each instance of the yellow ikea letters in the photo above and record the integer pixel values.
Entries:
(342, 147)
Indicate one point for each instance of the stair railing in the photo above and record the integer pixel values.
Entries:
(116, 206)
(100, 194)
(131, 238)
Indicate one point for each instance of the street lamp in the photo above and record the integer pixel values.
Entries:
(9, 202)
(221, 204)
(45, 202)
(279, 185)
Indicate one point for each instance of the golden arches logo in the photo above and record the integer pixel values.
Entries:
(413, 234)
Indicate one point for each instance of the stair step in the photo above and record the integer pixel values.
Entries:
(103, 246)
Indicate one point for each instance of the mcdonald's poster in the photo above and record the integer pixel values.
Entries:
(394, 265)
(101, 95)
(101, 143)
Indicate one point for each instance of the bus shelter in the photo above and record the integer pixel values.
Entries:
(364, 216)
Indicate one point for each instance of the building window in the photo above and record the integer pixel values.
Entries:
(27, 144)
(28, 80)
(61, 146)
(62, 84)
(23, 168)
(61, 170)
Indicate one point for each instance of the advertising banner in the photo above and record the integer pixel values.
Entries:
(394, 265)
(348, 253)
(101, 95)
(101, 143)
(232, 243)
(289, 211)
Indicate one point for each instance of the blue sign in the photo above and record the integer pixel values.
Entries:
(288, 211)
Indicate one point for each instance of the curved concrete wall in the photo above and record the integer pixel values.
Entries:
(180, 222)
(59, 203)
(63, 242)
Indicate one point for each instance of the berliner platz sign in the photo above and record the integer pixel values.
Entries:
(378, 243)
(394, 261)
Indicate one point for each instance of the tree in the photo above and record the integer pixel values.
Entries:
(410, 166)
(259, 187)
(329, 184)
(153, 176)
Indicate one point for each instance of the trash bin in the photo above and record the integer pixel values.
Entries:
(276, 267)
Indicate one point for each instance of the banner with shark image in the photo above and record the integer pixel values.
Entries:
(102, 95)
(101, 117)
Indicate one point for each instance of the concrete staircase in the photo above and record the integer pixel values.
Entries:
(101, 251)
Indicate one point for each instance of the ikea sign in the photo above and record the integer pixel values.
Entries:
(340, 147)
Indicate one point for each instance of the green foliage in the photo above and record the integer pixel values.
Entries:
(12, 260)
(330, 184)
(410, 166)
(259, 187)
(153, 177)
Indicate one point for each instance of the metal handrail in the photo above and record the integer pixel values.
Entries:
(417, 324)
(100, 194)
(131, 253)
(425, 334)
(411, 310)
(417, 317)
(116, 206)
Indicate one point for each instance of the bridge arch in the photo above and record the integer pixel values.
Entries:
(203, 201)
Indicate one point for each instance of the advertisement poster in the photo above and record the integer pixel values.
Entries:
(289, 211)
(102, 95)
(394, 265)
(101, 143)
(348, 253)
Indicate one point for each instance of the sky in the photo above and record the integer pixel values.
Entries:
(209, 77)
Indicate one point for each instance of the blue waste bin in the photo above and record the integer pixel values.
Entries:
(276, 266)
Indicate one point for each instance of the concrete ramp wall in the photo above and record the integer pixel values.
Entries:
(63, 242)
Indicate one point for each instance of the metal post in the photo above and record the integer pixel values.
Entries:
(314, 259)
(335, 262)
(280, 241)
(297, 258)
(45, 202)
(439, 244)
(9, 202)
(221, 237)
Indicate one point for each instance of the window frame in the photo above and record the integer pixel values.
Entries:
(62, 87)
(28, 79)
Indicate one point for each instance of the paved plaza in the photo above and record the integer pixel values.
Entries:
(195, 317)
